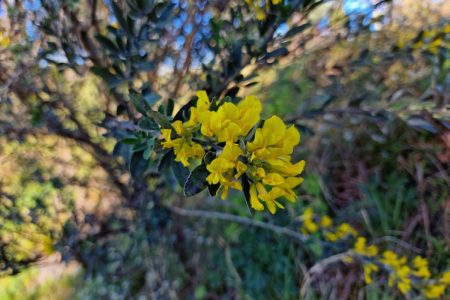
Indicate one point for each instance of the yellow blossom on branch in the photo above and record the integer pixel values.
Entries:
(242, 155)
(230, 121)
(445, 279)
(368, 270)
(183, 146)
(421, 267)
(362, 249)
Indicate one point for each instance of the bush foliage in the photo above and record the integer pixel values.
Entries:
(123, 123)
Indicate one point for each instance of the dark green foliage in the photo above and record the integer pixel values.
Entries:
(371, 113)
(196, 182)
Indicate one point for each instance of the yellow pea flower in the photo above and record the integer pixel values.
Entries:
(226, 184)
(261, 173)
(270, 199)
(273, 179)
(254, 201)
(362, 249)
(445, 278)
(368, 270)
(240, 168)
(326, 222)
(309, 226)
(421, 266)
(404, 285)
(287, 168)
(346, 229)
(249, 111)
(433, 291)
(231, 152)
(224, 162)
(169, 143)
(200, 109)
(342, 231)
(288, 185)
(401, 276)
(400, 272)
(231, 121)
(216, 168)
(184, 148)
(308, 214)
(331, 236)
(391, 259)
(274, 140)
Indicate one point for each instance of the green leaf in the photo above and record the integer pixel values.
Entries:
(151, 98)
(130, 141)
(121, 110)
(148, 150)
(160, 119)
(141, 146)
(181, 172)
(421, 124)
(246, 190)
(170, 106)
(184, 113)
(232, 92)
(145, 66)
(213, 188)
(107, 43)
(117, 150)
(119, 16)
(138, 165)
(166, 161)
(111, 79)
(196, 181)
(252, 132)
(161, 109)
(138, 103)
(146, 5)
(148, 124)
(207, 159)
(277, 53)
(166, 12)
(296, 30)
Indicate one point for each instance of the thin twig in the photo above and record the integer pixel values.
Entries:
(397, 241)
(319, 268)
(229, 217)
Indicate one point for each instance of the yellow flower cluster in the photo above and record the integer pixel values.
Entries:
(401, 274)
(434, 39)
(269, 157)
(342, 231)
(259, 8)
(362, 248)
(262, 155)
(313, 223)
(309, 226)
(437, 288)
(183, 146)
(405, 276)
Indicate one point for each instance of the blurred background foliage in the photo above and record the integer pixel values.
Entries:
(87, 213)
